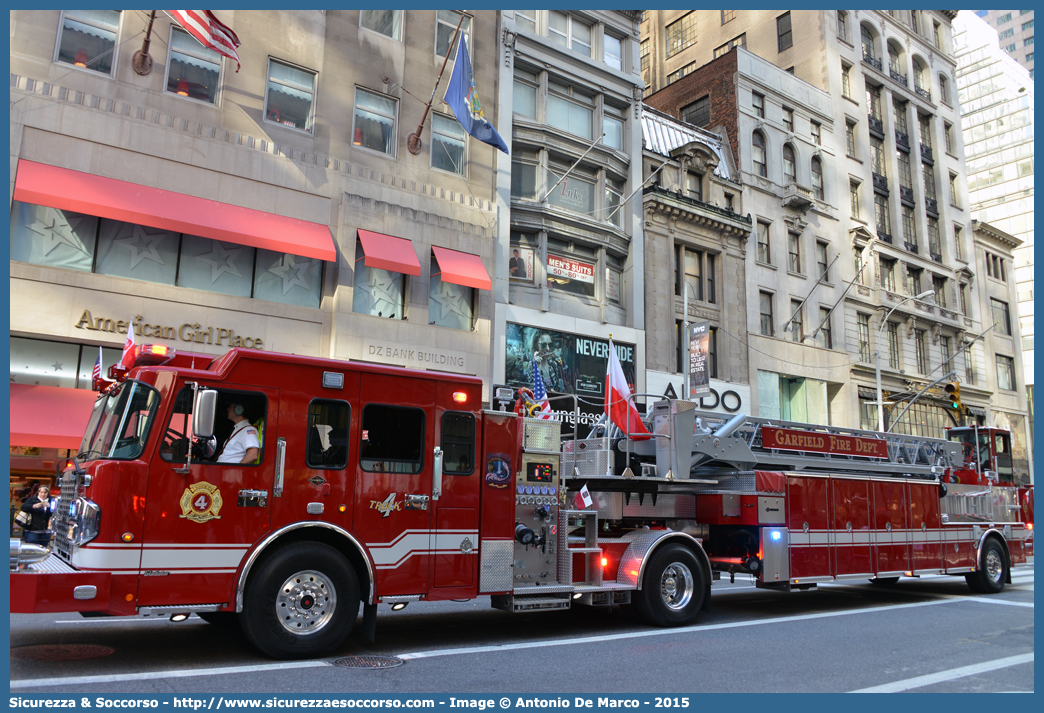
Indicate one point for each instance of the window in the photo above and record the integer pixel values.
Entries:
(816, 130)
(853, 197)
(945, 350)
(87, 39)
(727, 16)
(864, 336)
(192, 70)
(681, 34)
(937, 34)
(175, 444)
(675, 76)
(524, 175)
(526, 19)
(694, 185)
(958, 239)
(764, 249)
(613, 126)
(939, 289)
(55, 238)
(377, 292)
(446, 27)
(712, 353)
(374, 121)
(697, 113)
(824, 337)
(954, 195)
(899, 112)
(925, 125)
(888, 274)
(644, 54)
(1009, 48)
(1029, 56)
(729, 202)
(846, 82)
(928, 176)
(391, 439)
(612, 51)
(817, 179)
(859, 266)
(524, 94)
(1001, 317)
(921, 351)
(969, 364)
(905, 177)
(842, 25)
(1005, 34)
(613, 197)
(784, 35)
(327, 441)
(449, 144)
(1027, 25)
(386, 22)
(1027, 43)
(873, 101)
(944, 90)
(794, 253)
(1005, 373)
(797, 325)
(571, 267)
(1004, 18)
(893, 60)
(789, 165)
(290, 95)
(882, 218)
(788, 119)
(758, 154)
(962, 292)
(850, 139)
(821, 261)
(569, 110)
(740, 41)
(877, 157)
(576, 193)
(893, 345)
(909, 233)
(934, 249)
(458, 443)
(913, 280)
(613, 272)
(867, 41)
(699, 274)
(765, 305)
(567, 31)
(757, 102)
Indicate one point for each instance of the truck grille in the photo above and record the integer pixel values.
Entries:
(63, 547)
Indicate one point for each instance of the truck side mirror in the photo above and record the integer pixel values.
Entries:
(203, 413)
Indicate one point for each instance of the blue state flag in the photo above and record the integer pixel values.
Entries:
(464, 101)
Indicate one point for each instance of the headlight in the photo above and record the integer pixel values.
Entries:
(86, 516)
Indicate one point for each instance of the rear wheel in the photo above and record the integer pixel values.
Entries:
(992, 573)
(673, 588)
(302, 602)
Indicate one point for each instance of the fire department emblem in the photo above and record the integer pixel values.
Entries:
(201, 502)
(387, 506)
(498, 472)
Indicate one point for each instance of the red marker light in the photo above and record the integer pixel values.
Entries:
(605, 561)
(460, 397)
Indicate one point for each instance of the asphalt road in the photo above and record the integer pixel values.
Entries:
(921, 635)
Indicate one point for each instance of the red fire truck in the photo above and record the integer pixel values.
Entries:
(380, 485)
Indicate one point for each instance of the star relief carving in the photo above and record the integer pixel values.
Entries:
(56, 230)
(292, 270)
(149, 241)
(452, 300)
(384, 291)
(221, 260)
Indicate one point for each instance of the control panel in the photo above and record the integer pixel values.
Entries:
(537, 496)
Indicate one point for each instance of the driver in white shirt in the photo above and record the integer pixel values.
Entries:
(243, 446)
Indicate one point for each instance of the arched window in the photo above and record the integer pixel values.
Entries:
(789, 166)
(758, 154)
(868, 43)
(817, 178)
(893, 60)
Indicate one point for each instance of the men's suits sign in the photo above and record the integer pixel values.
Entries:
(699, 348)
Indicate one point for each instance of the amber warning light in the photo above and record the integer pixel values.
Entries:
(151, 354)
(460, 397)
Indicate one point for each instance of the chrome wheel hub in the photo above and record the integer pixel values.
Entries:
(306, 602)
(994, 566)
(676, 586)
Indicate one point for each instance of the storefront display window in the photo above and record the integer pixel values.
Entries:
(449, 305)
(570, 267)
(137, 252)
(377, 292)
(216, 266)
(290, 279)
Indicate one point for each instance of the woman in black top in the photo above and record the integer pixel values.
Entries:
(39, 508)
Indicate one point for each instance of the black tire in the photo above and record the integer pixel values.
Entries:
(992, 573)
(673, 588)
(884, 581)
(301, 603)
(219, 618)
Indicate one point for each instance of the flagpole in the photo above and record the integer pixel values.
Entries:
(413, 141)
(141, 61)
(577, 163)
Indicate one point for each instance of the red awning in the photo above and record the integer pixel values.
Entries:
(389, 253)
(49, 416)
(65, 189)
(462, 268)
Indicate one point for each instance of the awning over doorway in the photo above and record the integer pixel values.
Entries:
(65, 189)
(49, 416)
(386, 252)
(462, 268)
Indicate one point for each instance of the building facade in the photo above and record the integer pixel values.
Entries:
(279, 205)
(996, 96)
(895, 195)
(1014, 33)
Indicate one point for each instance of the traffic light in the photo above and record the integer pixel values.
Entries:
(953, 392)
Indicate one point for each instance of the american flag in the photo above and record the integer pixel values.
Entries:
(206, 28)
(97, 373)
(540, 393)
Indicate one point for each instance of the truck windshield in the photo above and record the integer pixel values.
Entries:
(120, 423)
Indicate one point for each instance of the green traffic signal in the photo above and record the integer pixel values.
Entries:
(953, 390)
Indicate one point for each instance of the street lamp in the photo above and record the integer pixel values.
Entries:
(877, 360)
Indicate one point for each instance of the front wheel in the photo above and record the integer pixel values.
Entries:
(992, 573)
(302, 602)
(673, 588)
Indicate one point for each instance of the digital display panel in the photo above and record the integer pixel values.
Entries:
(538, 472)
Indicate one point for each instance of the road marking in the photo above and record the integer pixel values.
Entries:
(987, 600)
(115, 678)
(953, 673)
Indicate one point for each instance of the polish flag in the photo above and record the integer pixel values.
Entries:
(582, 499)
(617, 405)
(127, 358)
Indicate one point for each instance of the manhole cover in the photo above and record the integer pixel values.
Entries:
(369, 662)
(61, 652)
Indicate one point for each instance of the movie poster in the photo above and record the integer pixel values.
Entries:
(568, 363)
